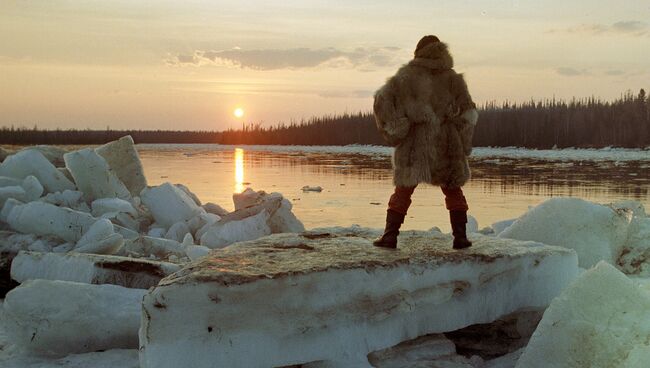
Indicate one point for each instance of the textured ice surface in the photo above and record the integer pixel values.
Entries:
(93, 176)
(32, 162)
(58, 318)
(602, 320)
(169, 204)
(100, 238)
(124, 161)
(426, 351)
(51, 153)
(45, 219)
(225, 233)
(90, 269)
(116, 358)
(336, 298)
(594, 231)
(634, 258)
(107, 205)
(145, 246)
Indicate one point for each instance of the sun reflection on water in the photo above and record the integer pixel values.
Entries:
(239, 170)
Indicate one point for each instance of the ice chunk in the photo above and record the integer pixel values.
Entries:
(6, 181)
(157, 232)
(428, 351)
(247, 198)
(215, 209)
(124, 160)
(601, 320)
(222, 234)
(93, 175)
(281, 219)
(33, 188)
(195, 252)
(67, 198)
(308, 188)
(51, 153)
(32, 162)
(158, 247)
(177, 231)
(634, 258)
(13, 192)
(284, 221)
(100, 239)
(58, 318)
(45, 219)
(594, 231)
(499, 226)
(168, 204)
(336, 298)
(472, 224)
(189, 193)
(106, 205)
(90, 269)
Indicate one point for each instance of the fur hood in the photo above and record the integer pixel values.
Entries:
(434, 56)
(426, 112)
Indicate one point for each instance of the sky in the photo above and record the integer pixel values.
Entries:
(189, 64)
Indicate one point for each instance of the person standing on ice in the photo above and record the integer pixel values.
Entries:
(426, 112)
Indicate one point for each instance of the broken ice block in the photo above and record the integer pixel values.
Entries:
(106, 205)
(594, 231)
(168, 204)
(32, 162)
(123, 159)
(57, 318)
(90, 269)
(599, 321)
(100, 238)
(222, 234)
(45, 219)
(335, 297)
(93, 175)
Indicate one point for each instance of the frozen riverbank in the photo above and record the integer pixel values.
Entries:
(565, 154)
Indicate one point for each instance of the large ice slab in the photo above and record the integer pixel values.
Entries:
(46, 219)
(123, 159)
(594, 231)
(602, 320)
(58, 318)
(93, 175)
(90, 269)
(295, 298)
(32, 162)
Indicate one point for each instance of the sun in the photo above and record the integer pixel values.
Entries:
(239, 112)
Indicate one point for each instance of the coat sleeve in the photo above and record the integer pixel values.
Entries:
(466, 115)
(390, 117)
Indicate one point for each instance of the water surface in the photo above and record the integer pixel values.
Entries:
(357, 182)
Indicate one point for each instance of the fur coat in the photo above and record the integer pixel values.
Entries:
(425, 112)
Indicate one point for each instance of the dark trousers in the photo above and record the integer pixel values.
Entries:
(401, 199)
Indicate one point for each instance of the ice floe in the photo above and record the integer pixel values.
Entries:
(335, 298)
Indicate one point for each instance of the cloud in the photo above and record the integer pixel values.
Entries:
(614, 72)
(296, 58)
(570, 72)
(626, 27)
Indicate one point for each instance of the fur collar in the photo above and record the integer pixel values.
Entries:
(434, 56)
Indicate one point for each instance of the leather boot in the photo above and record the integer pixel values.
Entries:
(394, 221)
(458, 229)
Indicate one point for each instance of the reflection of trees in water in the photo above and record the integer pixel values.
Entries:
(575, 178)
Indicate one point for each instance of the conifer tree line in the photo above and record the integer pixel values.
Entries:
(588, 122)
